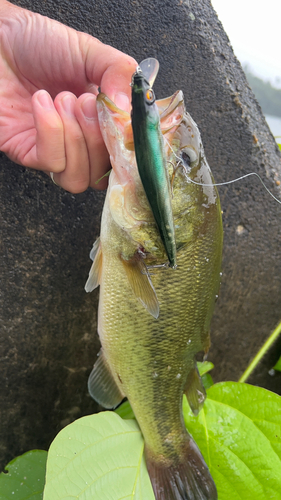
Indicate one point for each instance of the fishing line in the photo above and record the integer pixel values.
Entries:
(235, 180)
(181, 164)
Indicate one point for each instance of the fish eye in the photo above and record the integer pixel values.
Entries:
(186, 159)
(190, 153)
(189, 157)
(150, 97)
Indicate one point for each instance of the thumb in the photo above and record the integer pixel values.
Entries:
(112, 71)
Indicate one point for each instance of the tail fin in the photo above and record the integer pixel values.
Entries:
(188, 479)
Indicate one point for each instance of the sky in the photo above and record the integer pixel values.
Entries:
(254, 30)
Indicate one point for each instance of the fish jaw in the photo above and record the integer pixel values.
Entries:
(114, 123)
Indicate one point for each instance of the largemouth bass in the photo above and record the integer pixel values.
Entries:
(153, 319)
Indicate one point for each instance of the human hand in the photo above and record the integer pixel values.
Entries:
(49, 79)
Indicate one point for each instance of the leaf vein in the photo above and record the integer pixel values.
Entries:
(89, 446)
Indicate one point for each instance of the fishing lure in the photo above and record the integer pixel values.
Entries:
(150, 154)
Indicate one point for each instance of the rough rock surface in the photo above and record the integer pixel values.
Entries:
(48, 324)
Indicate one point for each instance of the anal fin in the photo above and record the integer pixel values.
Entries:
(141, 283)
(93, 280)
(102, 386)
(194, 390)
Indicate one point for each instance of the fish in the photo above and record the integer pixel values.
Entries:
(153, 319)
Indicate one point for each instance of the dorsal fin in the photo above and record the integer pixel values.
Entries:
(194, 390)
(141, 283)
(102, 385)
(95, 272)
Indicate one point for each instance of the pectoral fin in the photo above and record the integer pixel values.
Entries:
(141, 283)
(102, 386)
(95, 271)
(194, 390)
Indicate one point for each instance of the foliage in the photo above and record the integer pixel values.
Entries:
(278, 365)
(240, 442)
(239, 434)
(268, 96)
(204, 368)
(265, 347)
(101, 456)
(24, 477)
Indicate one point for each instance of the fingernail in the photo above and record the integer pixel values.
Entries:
(122, 101)
(68, 104)
(88, 107)
(45, 99)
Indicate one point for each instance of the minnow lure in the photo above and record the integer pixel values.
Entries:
(151, 156)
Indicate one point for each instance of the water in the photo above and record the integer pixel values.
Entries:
(274, 123)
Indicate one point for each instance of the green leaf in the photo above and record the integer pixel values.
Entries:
(279, 145)
(98, 457)
(125, 411)
(207, 380)
(278, 365)
(239, 433)
(204, 367)
(25, 477)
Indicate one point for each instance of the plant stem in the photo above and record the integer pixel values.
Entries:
(105, 175)
(266, 346)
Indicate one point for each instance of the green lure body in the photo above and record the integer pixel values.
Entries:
(151, 160)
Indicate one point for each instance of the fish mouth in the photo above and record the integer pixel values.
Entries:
(165, 106)
(169, 104)
(109, 113)
(116, 125)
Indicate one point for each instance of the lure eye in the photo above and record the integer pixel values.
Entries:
(150, 97)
